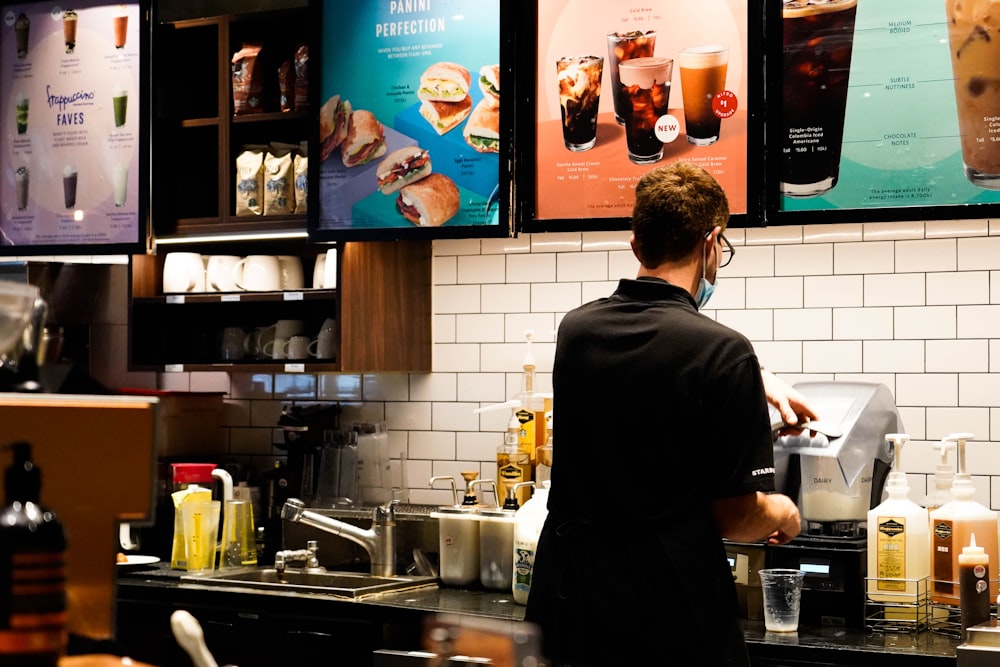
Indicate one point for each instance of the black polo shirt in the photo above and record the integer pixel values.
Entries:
(657, 410)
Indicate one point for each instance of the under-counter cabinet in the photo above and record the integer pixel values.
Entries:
(381, 304)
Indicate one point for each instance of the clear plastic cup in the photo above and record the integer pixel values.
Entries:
(782, 590)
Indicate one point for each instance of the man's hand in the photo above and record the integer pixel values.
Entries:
(793, 406)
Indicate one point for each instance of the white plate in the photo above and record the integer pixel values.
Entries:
(137, 561)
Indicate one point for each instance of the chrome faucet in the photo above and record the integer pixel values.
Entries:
(307, 556)
(379, 540)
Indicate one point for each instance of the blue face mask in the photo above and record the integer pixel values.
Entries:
(705, 289)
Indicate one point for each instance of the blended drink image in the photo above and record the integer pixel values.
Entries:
(818, 40)
(119, 99)
(69, 186)
(645, 85)
(21, 113)
(625, 46)
(21, 185)
(703, 74)
(579, 96)
(119, 183)
(69, 29)
(21, 27)
(975, 61)
(120, 24)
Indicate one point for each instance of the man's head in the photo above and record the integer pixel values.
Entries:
(675, 207)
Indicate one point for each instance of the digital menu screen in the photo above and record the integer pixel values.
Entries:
(70, 127)
(624, 87)
(411, 137)
(883, 110)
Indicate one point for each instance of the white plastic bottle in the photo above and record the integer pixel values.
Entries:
(528, 523)
(952, 526)
(899, 544)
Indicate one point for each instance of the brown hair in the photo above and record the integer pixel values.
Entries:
(675, 207)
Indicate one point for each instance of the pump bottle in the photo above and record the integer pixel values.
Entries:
(543, 459)
(513, 464)
(531, 413)
(33, 582)
(898, 542)
(944, 477)
(952, 526)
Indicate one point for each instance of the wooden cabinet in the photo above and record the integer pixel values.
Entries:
(196, 136)
(382, 304)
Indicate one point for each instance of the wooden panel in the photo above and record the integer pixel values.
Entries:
(97, 458)
(385, 311)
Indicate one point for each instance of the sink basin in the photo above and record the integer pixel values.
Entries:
(342, 584)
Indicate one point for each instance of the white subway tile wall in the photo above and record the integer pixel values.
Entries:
(913, 305)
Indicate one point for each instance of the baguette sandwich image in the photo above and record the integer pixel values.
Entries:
(482, 132)
(444, 82)
(365, 139)
(489, 83)
(445, 116)
(403, 167)
(333, 120)
(430, 202)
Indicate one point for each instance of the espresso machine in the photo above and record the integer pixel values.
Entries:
(835, 469)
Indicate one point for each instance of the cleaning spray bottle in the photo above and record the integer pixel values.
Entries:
(952, 526)
(513, 463)
(33, 582)
(528, 522)
(898, 543)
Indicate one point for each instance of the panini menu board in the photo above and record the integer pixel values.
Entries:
(886, 110)
(624, 87)
(70, 127)
(411, 133)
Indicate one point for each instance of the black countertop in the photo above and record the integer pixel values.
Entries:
(810, 645)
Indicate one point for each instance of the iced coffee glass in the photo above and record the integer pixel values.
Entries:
(625, 46)
(975, 62)
(645, 85)
(818, 40)
(703, 75)
(579, 95)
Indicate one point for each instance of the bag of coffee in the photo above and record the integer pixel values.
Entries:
(286, 85)
(279, 198)
(250, 180)
(302, 77)
(301, 183)
(248, 84)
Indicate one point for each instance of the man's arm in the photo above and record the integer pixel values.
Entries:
(753, 517)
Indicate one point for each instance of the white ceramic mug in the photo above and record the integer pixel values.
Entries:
(287, 328)
(235, 343)
(261, 338)
(299, 347)
(319, 271)
(326, 341)
(291, 272)
(276, 348)
(258, 273)
(219, 273)
(330, 269)
(183, 272)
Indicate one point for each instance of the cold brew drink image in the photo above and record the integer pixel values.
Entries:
(703, 75)
(975, 61)
(69, 186)
(818, 40)
(645, 85)
(119, 22)
(21, 187)
(22, 26)
(69, 29)
(625, 46)
(579, 94)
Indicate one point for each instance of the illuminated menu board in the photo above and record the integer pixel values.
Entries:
(411, 133)
(624, 87)
(70, 127)
(884, 110)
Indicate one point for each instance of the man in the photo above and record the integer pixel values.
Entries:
(664, 448)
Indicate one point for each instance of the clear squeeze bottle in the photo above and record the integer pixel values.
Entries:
(973, 583)
(898, 542)
(952, 526)
(33, 580)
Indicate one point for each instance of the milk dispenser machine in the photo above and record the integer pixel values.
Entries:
(835, 469)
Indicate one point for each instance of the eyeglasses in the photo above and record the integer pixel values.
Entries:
(728, 251)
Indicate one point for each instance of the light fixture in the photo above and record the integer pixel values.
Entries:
(222, 238)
